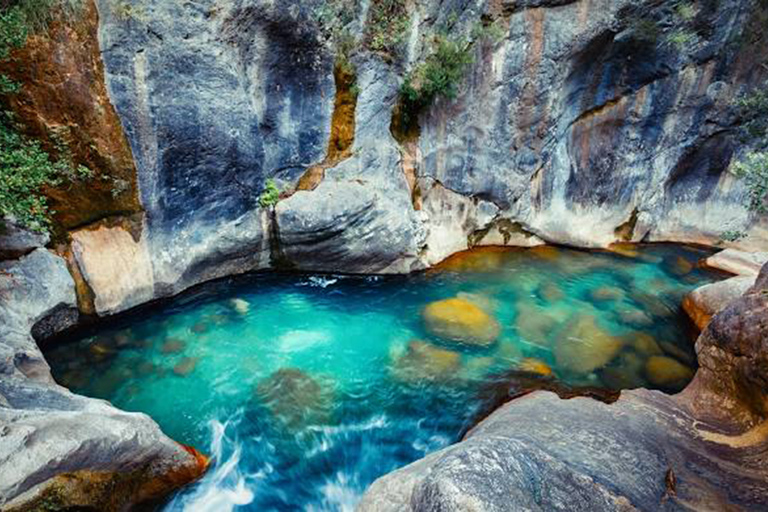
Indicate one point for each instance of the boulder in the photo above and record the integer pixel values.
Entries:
(666, 372)
(422, 361)
(461, 321)
(583, 346)
(295, 398)
(17, 241)
(741, 263)
(606, 294)
(703, 303)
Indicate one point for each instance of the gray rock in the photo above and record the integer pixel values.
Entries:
(16, 241)
(45, 430)
(738, 262)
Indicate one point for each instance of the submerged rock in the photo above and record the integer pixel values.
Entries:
(185, 366)
(698, 450)
(461, 321)
(535, 366)
(583, 346)
(240, 306)
(606, 293)
(537, 325)
(173, 346)
(666, 372)
(295, 398)
(422, 361)
(551, 292)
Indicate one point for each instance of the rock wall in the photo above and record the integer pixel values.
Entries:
(698, 450)
(587, 123)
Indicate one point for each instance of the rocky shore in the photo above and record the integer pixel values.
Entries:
(575, 127)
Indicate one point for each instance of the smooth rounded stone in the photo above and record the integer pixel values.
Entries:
(185, 366)
(535, 366)
(478, 367)
(634, 317)
(508, 351)
(667, 372)
(295, 398)
(240, 306)
(461, 321)
(583, 346)
(704, 302)
(606, 294)
(173, 346)
(200, 327)
(537, 325)
(423, 361)
(624, 372)
(644, 343)
(678, 265)
(738, 262)
(551, 292)
(674, 350)
(100, 352)
(484, 302)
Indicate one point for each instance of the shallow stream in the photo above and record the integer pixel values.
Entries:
(305, 389)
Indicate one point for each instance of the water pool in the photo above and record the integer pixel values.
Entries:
(305, 389)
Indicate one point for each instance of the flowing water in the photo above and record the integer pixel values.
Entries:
(305, 389)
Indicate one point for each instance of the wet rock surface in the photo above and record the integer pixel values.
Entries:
(461, 321)
(647, 451)
(57, 445)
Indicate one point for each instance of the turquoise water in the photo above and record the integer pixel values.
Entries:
(305, 389)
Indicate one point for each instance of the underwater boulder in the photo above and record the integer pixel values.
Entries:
(173, 346)
(535, 366)
(295, 398)
(424, 361)
(185, 366)
(537, 325)
(461, 321)
(584, 346)
(551, 292)
(667, 372)
(606, 294)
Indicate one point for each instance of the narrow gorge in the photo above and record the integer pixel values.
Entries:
(383, 255)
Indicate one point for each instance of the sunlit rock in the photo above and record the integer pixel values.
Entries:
(535, 366)
(704, 302)
(461, 321)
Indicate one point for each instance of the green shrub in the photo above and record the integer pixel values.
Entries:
(25, 167)
(754, 110)
(438, 76)
(387, 25)
(753, 169)
(270, 196)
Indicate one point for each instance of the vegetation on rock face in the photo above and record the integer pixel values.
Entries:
(753, 168)
(270, 196)
(25, 167)
(387, 25)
